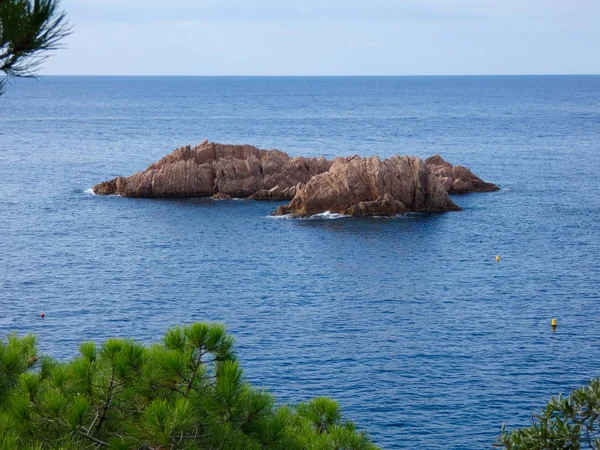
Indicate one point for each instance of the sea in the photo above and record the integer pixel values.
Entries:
(409, 322)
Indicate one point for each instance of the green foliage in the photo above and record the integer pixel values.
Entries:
(569, 423)
(16, 357)
(186, 393)
(27, 29)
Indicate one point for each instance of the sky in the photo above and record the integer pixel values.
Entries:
(329, 37)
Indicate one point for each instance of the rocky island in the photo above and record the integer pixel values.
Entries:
(354, 186)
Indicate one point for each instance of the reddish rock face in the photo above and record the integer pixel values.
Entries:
(275, 194)
(352, 186)
(209, 169)
(357, 186)
(457, 179)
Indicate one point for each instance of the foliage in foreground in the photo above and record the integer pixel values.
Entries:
(569, 423)
(186, 393)
(28, 28)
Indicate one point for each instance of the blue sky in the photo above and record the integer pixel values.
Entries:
(337, 37)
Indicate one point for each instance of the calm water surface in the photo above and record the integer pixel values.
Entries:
(409, 322)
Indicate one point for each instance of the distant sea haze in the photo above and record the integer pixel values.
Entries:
(425, 340)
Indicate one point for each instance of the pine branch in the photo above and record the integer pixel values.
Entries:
(86, 435)
(197, 365)
(108, 401)
(29, 28)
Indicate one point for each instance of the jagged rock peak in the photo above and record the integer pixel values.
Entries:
(457, 179)
(358, 186)
(210, 169)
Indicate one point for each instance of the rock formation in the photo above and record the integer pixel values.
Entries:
(358, 186)
(211, 169)
(352, 186)
(457, 179)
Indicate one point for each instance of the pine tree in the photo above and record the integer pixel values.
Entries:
(28, 29)
(188, 392)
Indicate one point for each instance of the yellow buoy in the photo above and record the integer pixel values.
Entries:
(553, 323)
(497, 258)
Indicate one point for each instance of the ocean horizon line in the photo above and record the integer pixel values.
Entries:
(322, 76)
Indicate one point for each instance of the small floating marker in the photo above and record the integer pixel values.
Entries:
(554, 324)
(42, 315)
(497, 258)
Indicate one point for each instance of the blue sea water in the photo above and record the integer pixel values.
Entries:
(409, 322)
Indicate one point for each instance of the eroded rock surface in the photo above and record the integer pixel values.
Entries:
(358, 186)
(211, 169)
(352, 186)
(457, 179)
